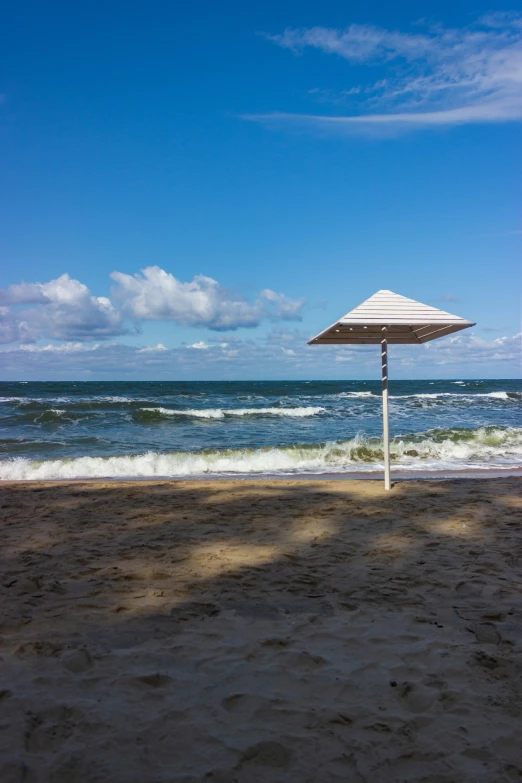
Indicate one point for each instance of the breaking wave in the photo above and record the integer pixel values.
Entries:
(442, 396)
(496, 395)
(221, 413)
(438, 449)
(53, 414)
(355, 394)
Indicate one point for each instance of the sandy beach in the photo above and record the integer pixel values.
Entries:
(237, 632)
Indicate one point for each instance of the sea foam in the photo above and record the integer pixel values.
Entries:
(450, 449)
(221, 413)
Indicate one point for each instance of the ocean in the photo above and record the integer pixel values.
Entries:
(67, 430)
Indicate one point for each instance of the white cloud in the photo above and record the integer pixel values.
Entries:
(281, 354)
(153, 348)
(279, 306)
(157, 295)
(14, 329)
(62, 309)
(201, 346)
(24, 293)
(60, 348)
(465, 349)
(65, 309)
(439, 78)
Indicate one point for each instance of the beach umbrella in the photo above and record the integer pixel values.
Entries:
(390, 318)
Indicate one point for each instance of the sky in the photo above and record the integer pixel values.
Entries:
(192, 190)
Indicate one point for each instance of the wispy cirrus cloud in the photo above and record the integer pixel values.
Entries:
(437, 78)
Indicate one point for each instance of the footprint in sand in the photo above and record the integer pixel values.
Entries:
(156, 680)
(194, 611)
(416, 698)
(485, 633)
(77, 661)
(300, 661)
(38, 649)
(48, 730)
(26, 586)
(242, 702)
(471, 589)
(275, 642)
(266, 754)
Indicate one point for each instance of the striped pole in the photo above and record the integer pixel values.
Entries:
(385, 417)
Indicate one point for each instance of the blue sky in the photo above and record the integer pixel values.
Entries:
(271, 165)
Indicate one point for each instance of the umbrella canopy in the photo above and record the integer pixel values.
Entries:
(407, 322)
(390, 318)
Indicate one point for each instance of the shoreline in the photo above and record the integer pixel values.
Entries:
(354, 476)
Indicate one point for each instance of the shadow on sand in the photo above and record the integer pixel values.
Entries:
(261, 631)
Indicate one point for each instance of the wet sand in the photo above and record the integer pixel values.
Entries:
(245, 631)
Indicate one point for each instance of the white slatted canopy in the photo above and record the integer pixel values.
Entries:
(390, 318)
(407, 322)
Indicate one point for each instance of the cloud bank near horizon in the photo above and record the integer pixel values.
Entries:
(83, 328)
(65, 309)
(284, 351)
(438, 78)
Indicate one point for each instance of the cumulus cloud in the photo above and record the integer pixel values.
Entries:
(14, 329)
(25, 293)
(156, 295)
(153, 348)
(65, 309)
(200, 346)
(440, 77)
(62, 309)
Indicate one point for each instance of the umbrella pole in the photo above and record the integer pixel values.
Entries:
(385, 422)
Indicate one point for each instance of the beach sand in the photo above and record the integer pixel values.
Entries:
(245, 631)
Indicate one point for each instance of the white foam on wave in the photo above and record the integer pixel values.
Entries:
(71, 400)
(458, 396)
(210, 413)
(355, 394)
(221, 413)
(487, 447)
(109, 399)
(54, 411)
(496, 395)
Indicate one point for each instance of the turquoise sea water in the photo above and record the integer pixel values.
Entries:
(134, 429)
